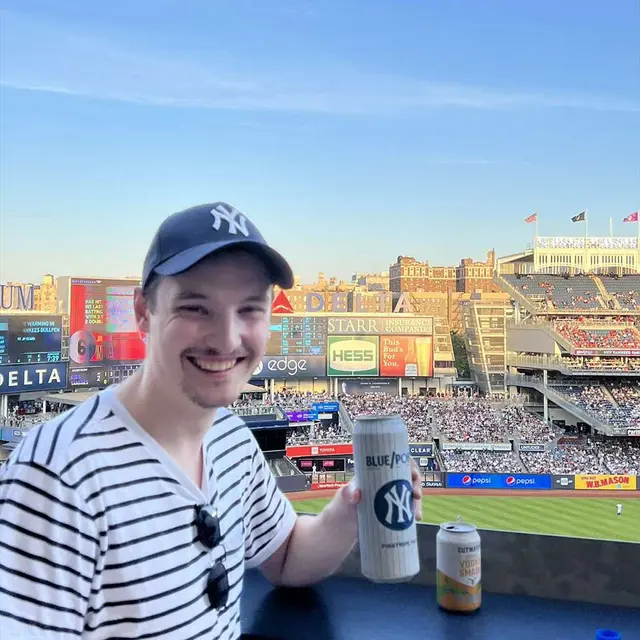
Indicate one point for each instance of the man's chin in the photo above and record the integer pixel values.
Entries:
(215, 398)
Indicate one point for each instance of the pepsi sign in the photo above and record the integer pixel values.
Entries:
(529, 481)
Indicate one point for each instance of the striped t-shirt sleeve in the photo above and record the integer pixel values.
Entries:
(49, 546)
(268, 515)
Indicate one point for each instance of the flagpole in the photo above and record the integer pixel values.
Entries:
(586, 241)
(638, 247)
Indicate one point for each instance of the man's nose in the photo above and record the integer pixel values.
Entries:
(224, 334)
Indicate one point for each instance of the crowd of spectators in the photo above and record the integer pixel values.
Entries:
(413, 409)
(569, 459)
(627, 398)
(594, 399)
(299, 401)
(621, 456)
(480, 461)
(516, 420)
(611, 337)
(318, 434)
(625, 289)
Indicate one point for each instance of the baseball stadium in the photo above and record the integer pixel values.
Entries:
(545, 436)
(520, 397)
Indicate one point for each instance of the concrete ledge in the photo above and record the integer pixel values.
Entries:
(542, 566)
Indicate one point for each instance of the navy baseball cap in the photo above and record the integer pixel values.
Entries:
(188, 236)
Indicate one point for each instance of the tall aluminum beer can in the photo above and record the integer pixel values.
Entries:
(459, 567)
(386, 520)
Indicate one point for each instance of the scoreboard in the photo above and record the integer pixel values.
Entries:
(30, 339)
(293, 335)
(105, 345)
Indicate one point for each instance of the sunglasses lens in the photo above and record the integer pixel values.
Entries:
(218, 586)
(208, 527)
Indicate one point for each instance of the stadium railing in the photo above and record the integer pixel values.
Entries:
(517, 295)
(520, 380)
(260, 410)
(345, 418)
(556, 363)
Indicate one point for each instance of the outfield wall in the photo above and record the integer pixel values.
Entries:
(502, 481)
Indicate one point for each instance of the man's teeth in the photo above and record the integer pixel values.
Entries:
(215, 366)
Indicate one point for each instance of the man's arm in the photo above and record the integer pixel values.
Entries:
(318, 545)
(48, 550)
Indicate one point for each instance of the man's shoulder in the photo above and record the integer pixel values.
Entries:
(55, 443)
(228, 421)
(229, 433)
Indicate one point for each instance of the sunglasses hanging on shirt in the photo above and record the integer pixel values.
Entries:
(208, 531)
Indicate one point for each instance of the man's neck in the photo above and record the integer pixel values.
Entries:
(178, 428)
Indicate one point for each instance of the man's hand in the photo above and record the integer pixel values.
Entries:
(318, 545)
(350, 495)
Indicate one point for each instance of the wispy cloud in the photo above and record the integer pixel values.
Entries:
(52, 58)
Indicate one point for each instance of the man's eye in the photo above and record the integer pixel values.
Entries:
(192, 308)
(252, 310)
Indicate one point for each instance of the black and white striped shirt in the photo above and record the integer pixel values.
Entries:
(98, 536)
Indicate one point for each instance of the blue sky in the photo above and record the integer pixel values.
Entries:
(349, 131)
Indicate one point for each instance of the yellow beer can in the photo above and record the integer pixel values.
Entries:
(459, 567)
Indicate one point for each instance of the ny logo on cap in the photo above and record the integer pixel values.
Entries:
(236, 221)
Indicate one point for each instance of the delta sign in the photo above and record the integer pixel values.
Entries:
(315, 302)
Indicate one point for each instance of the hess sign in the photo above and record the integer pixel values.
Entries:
(352, 356)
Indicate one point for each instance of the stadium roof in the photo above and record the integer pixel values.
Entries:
(527, 253)
(78, 397)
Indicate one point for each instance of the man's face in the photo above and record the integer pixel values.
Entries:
(209, 328)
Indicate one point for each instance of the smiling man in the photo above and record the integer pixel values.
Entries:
(136, 514)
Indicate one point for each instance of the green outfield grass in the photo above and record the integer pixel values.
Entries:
(574, 517)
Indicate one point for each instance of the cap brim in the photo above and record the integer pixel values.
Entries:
(279, 269)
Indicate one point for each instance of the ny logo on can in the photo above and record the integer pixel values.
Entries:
(393, 505)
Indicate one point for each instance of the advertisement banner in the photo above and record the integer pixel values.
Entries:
(432, 484)
(406, 356)
(476, 446)
(532, 448)
(47, 376)
(621, 353)
(397, 325)
(12, 435)
(421, 449)
(606, 482)
(309, 451)
(352, 356)
(633, 433)
(301, 416)
(321, 486)
(358, 387)
(498, 481)
(280, 367)
(325, 407)
(563, 482)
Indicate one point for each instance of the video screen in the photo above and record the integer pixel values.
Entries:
(102, 324)
(30, 339)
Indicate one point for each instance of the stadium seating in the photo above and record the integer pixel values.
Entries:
(611, 336)
(595, 399)
(575, 292)
(625, 289)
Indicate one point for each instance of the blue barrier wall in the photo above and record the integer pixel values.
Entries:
(498, 481)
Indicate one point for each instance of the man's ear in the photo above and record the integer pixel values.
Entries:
(141, 310)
